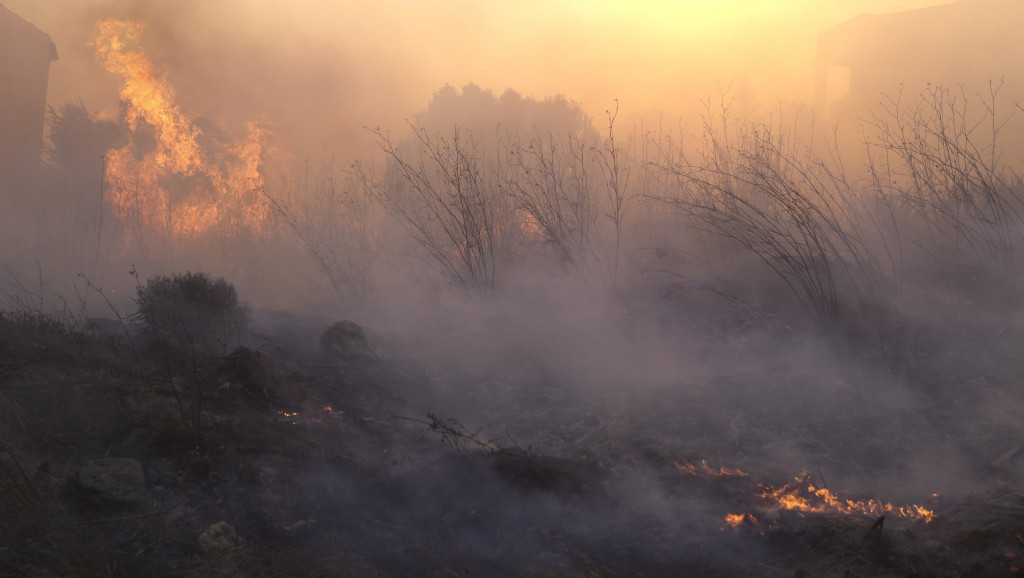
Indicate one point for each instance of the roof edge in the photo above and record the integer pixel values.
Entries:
(31, 28)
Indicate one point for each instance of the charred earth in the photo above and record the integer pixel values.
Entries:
(321, 451)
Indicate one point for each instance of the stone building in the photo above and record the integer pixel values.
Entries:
(25, 56)
(963, 44)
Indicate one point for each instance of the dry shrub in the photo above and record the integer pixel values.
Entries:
(345, 338)
(192, 313)
(189, 318)
(795, 212)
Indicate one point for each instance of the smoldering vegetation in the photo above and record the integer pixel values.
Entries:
(518, 341)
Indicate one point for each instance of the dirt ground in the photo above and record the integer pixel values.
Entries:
(431, 455)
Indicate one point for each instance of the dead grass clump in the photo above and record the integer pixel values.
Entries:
(27, 336)
(266, 561)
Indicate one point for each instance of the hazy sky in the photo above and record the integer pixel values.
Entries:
(367, 62)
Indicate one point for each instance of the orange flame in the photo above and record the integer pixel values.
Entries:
(802, 496)
(735, 520)
(703, 468)
(149, 96)
(164, 180)
(529, 226)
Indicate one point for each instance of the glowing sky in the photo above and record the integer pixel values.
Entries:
(379, 61)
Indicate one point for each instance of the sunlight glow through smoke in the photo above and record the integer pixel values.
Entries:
(376, 63)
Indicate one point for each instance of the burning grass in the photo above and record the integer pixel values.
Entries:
(802, 495)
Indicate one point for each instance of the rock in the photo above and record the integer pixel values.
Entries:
(253, 369)
(107, 483)
(178, 522)
(345, 338)
(166, 425)
(219, 537)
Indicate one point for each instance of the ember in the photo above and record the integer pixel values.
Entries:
(704, 468)
(313, 416)
(735, 520)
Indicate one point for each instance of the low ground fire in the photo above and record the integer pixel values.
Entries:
(803, 495)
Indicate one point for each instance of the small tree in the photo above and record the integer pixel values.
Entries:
(471, 188)
(940, 156)
(795, 212)
(448, 198)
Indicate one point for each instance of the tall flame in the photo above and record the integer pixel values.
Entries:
(169, 183)
(149, 97)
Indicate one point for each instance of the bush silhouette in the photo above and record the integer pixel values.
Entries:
(192, 313)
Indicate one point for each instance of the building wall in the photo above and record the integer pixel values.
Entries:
(967, 43)
(25, 56)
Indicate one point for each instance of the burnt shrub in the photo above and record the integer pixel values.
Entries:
(345, 338)
(191, 314)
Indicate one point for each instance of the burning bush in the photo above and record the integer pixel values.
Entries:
(192, 313)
